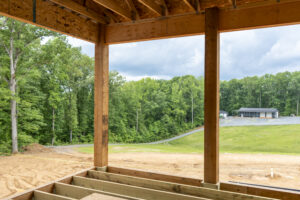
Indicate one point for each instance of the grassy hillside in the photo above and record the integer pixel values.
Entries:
(283, 139)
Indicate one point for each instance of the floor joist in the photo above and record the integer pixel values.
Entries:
(171, 187)
(127, 190)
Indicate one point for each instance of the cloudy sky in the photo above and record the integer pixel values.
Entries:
(243, 53)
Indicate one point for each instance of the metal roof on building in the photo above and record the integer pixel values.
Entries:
(257, 110)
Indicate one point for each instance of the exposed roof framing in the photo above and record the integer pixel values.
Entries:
(193, 4)
(113, 6)
(76, 7)
(134, 13)
(158, 9)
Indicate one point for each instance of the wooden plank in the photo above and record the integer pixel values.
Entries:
(211, 97)
(176, 26)
(113, 6)
(155, 176)
(134, 13)
(261, 191)
(279, 14)
(39, 195)
(152, 6)
(171, 187)
(96, 196)
(76, 7)
(127, 190)
(52, 17)
(78, 192)
(101, 101)
(190, 5)
(27, 195)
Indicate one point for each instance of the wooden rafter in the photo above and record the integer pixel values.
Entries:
(193, 4)
(76, 7)
(113, 6)
(189, 4)
(134, 12)
(165, 8)
(152, 6)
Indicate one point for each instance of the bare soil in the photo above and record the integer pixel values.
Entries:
(24, 171)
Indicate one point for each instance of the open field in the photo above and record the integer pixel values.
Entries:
(279, 139)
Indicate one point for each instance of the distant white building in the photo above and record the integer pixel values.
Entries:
(223, 114)
(259, 112)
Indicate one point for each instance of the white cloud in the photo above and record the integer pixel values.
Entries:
(243, 53)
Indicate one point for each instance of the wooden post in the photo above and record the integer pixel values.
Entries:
(211, 99)
(101, 101)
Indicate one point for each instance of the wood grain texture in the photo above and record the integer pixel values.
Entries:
(261, 191)
(101, 101)
(279, 14)
(113, 6)
(211, 97)
(52, 17)
(155, 176)
(133, 191)
(171, 187)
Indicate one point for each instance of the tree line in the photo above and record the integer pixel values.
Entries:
(47, 96)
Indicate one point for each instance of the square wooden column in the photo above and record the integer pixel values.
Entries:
(211, 97)
(101, 88)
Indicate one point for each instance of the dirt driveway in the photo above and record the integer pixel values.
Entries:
(25, 171)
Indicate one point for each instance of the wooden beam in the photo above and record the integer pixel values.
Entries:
(155, 176)
(77, 192)
(171, 187)
(230, 20)
(127, 190)
(261, 191)
(152, 6)
(113, 6)
(101, 101)
(134, 13)
(51, 17)
(76, 7)
(176, 26)
(39, 195)
(211, 97)
(190, 5)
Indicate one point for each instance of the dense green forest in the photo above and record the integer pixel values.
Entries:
(46, 95)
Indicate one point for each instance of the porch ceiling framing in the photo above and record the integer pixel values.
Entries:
(142, 20)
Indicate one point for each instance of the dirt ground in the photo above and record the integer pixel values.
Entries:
(25, 171)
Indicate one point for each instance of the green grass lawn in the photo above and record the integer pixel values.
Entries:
(284, 139)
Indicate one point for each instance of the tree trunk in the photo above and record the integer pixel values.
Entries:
(53, 127)
(137, 120)
(298, 106)
(192, 109)
(13, 102)
(71, 135)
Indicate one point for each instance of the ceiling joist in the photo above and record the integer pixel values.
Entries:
(113, 6)
(134, 13)
(78, 8)
(158, 9)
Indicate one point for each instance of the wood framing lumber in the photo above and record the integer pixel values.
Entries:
(39, 195)
(211, 96)
(50, 16)
(101, 101)
(152, 6)
(155, 176)
(127, 190)
(76, 7)
(77, 192)
(113, 6)
(171, 187)
(260, 191)
(283, 13)
(96, 196)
